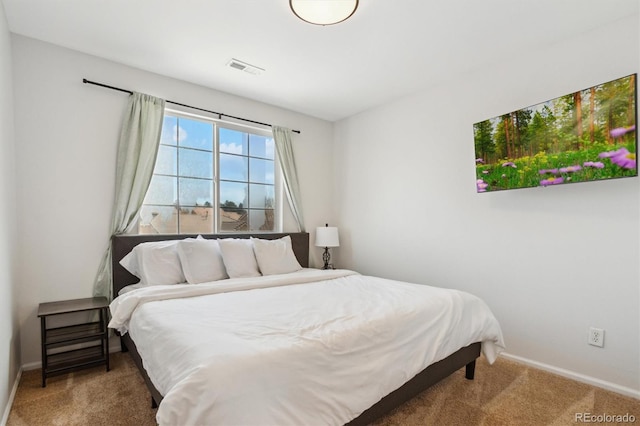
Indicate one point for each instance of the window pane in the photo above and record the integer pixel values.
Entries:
(195, 134)
(233, 141)
(233, 167)
(162, 190)
(261, 146)
(194, 163)
(261, 196)
(196, 192)
(169, 131)
(158, 220)
(196, 220)
(166, 163)
(261, 171)
(233, 194)
(261, 220)
(233, 219)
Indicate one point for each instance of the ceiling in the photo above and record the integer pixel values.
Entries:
(386, 50)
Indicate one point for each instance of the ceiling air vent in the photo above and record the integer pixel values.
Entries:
(243, 66)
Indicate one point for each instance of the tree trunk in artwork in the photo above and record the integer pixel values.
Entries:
(516, 136)
(577, 100)
(507, 143)
(514, 130)
(592, 118)
(609, 124)
(630, 112)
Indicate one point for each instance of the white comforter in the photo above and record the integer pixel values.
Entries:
(267, 351)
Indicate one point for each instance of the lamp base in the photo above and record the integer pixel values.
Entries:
(326, 257)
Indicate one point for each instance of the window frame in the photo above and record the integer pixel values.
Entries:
(218, 123)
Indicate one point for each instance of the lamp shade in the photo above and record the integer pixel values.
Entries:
(327, 236)
(323, 12)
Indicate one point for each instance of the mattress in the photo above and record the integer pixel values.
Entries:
(309, 347)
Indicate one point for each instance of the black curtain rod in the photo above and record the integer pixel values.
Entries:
(219, 114)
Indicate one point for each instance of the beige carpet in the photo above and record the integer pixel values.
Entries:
(505, 393)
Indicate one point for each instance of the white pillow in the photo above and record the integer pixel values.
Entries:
(201, 260)
(275, 256)
(238, 257)
(155, 263)
(130, 262)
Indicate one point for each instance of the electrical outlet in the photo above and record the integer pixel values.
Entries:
(596, 337)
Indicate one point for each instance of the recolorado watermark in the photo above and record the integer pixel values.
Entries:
(604, 418)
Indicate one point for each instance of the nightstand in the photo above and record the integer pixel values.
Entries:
(76, 346)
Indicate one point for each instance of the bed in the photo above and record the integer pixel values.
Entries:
(201, 386)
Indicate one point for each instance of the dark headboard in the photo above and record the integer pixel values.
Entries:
(121, 245)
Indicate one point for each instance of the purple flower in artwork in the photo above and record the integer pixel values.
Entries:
(570, 169)
(509, 164)
(609, 154)
(621, 131)
(479, 161)
(481, 185)
(594, 164)
(624, 159)
(550, 171)
(551, 181)
(617, 132)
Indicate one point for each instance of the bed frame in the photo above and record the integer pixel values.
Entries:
(464, 357)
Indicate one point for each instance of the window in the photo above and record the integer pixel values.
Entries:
(210, 177)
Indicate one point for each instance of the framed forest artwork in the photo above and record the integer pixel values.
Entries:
(584, 136)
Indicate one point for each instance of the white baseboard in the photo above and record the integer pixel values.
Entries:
(633, 393)
(12, 395)
(31, 366)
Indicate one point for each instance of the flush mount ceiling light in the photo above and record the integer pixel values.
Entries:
(323, 12)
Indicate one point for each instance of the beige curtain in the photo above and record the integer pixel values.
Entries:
(284, 147)
(137, 151)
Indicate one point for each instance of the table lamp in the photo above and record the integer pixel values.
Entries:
(327, 236)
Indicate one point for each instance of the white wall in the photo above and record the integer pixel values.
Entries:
(9, 335)
(549, 262)
(66, 134)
